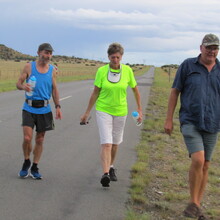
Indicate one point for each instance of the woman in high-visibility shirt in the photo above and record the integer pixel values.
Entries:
(110, 96)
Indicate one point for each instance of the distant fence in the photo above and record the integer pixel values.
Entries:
(9, 75)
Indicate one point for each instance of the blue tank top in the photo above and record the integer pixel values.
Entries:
(42, 90)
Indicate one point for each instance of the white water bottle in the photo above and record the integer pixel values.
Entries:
(32, 83)
(135, 116)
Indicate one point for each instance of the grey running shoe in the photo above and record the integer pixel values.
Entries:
(192, 211)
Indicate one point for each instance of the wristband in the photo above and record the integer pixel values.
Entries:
(57, 106)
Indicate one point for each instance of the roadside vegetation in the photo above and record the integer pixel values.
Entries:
(159, 178)
(68, 70)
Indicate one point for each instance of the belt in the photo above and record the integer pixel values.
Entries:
(37, 103)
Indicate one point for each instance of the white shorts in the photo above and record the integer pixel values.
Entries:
(111, 128)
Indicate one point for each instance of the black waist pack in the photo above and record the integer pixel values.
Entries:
(37, 103)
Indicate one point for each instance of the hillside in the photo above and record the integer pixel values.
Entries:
(7, 53)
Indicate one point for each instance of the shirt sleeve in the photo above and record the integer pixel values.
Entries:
(180, 77)
(98, 81)
(132, 81)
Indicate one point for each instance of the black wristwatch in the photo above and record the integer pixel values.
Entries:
(57, 106)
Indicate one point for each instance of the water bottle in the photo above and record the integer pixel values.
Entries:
(135, 116)
(32, 83)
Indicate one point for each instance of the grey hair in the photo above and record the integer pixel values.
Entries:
(115, 48)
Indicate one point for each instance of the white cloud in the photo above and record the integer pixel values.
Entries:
(94, 19)
(163, 31)
(175, 18)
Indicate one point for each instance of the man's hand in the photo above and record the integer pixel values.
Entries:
(168, 127)
(58, 113)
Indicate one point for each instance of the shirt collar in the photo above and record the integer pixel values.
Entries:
(196, 60)
(198, 57)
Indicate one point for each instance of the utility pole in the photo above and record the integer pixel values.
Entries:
(169, 72)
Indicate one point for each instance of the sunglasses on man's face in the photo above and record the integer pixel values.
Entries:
(211, 48)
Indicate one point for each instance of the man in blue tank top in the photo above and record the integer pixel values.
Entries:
(36, 109)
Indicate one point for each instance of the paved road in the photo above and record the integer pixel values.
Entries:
(70, 163)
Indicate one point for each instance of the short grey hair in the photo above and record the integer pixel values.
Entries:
(115, 48)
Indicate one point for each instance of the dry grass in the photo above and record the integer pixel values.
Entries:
(10, 70)
(67, 71)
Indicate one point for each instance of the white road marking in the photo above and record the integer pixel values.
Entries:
(65, 98)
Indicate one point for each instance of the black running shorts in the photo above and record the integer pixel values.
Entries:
(43, 122)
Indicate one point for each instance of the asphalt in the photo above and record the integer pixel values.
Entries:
(70, 164)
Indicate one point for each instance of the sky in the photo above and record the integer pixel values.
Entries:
(152, 32)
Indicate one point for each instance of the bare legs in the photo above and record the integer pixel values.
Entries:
(27, 146)
(108, 154)
(198, 176)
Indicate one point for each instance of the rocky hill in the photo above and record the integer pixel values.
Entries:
(7, 53)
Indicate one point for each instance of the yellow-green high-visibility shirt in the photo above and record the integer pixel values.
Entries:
(113, 96)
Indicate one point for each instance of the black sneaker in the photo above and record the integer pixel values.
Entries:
(192, 211)
(202, 217)
(112, 175)
(105, 180)
(25, 169)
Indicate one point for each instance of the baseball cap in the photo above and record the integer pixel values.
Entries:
(45, 46)
(210, 39)
(114, 77)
